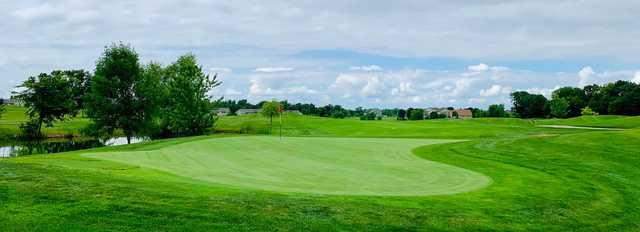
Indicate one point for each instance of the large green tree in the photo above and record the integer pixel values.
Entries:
(188, 110)
(527, 105)
(271, 109)
(115, 101)
(496, 111)
(49, 98)
(574, 97)
(559, 108)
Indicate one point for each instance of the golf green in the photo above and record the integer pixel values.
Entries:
(344, 166)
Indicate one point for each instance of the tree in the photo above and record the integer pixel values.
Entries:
(434, 115)
(416, 114)
(496, 111)
(402, 114)
(48, 98)
(2, 109)
(527, 105)
(188, 111)
(455, 114)
(559, 108)
(576, 99)
(113, 102)
(588, 111)
(271, 109)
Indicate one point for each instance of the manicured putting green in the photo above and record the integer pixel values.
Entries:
(344, 166)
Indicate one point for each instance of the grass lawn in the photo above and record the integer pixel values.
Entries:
(15, 115)
(541, 179)
(342, 166)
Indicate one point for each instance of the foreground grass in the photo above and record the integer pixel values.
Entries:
(543, 180)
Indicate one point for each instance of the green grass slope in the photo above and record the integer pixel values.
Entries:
(606, 121)
(309, 165)
(15, 115)
(542, 180)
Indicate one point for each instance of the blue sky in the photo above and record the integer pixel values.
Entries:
(354, 53)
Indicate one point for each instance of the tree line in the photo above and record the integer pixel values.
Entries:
(123, 95)
(617, 98)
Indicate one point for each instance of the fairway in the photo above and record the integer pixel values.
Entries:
(341, 166)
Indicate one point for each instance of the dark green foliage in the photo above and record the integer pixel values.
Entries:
(455, 114)
(496, 111)
(2, 109)
(188, 110)
(574, 97)
(51, 97)
(434, 115)
(618, 98)
(368, 116)
(416, 114)
(114, 101)
(527, 105)
(402, 114)
(559, 108)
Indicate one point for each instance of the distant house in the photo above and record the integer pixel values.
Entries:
(440, 110)
(247, 111)
(464, 113)
(221, 111)
(296, 112)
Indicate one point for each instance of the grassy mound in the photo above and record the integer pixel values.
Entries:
(309, 165)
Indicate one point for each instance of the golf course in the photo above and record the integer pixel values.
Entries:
(341, 174)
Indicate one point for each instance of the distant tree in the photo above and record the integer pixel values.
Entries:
(559, 108)
(588, 111)
(48, 98)
(271, 109)
(368, 116)
(2, 109)
(527, 105)
(189, 110)
(455, 114)
(416, 114)
(434, 115)
(402, 114)
(496, 111)
(113, 101)
(575, 98)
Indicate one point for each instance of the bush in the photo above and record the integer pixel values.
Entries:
(588, 111)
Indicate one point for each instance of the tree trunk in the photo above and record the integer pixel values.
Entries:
(271, 125)
(128, 139)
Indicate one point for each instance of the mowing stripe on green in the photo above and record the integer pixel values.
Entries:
(341, 166)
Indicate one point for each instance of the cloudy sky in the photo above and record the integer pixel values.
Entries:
(355, 53)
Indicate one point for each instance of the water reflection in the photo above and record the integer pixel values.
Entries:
(50, 146)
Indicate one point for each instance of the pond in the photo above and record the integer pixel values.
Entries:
(51, 146)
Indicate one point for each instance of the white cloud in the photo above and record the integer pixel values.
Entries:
(273, 69)
(367, 68)
(492, 91)
(584, 75)
(495, 90)
(461, 86)
(478, 68)
(217, 69)
(636, 78)
(373, 87)
(544, 91)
